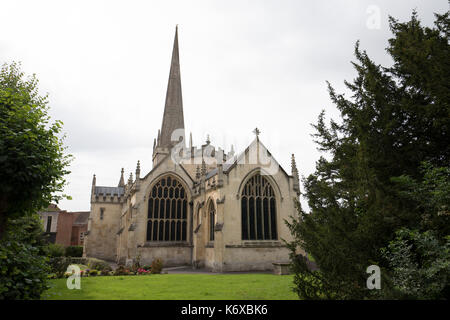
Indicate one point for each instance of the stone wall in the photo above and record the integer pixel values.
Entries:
(253, 259)
(228, 252)
(101, 240)
(281, 184)
(209, 258)
(243, 255)
(170, 255)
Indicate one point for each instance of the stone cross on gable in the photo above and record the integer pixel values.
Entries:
(256, 132)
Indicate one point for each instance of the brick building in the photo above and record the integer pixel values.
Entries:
(71, 228)
(63, 227)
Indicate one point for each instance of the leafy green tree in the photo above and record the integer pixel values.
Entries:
(32, 158)
(396, 118)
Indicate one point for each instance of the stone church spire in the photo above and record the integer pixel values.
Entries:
(173, 110)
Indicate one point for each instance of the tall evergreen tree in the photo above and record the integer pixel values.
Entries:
(396, 118)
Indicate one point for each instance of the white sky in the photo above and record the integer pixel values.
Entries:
(244, 64)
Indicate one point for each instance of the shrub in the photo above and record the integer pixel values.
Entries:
(74, 251)
(23, 268)
(58, 265)
(78, 260)
(55, 250)
(157, 266)
(98, 264)
(136, 264)
(93, 273)
(134, 269)
(105, 272)
(121, 271)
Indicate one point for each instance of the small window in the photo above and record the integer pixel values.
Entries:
(49, 223)
(102, 211)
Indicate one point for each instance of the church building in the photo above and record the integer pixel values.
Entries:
(198, 206)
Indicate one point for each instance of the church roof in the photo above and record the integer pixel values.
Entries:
(229, 165)
(110, 190)
(213, 172)
(52, 208)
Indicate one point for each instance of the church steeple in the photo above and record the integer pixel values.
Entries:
(173, 110)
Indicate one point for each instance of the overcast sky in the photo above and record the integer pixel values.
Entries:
(244, 64)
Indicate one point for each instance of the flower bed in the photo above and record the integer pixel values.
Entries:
(106, 271)
(143, 271)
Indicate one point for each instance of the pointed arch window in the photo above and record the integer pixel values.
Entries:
(212, 220)
(258, 210)
(167, 211)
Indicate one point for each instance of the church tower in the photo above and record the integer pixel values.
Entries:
(172, 128)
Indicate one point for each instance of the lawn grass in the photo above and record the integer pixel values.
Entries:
(177, 287)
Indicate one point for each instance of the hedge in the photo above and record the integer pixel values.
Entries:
(74, 251)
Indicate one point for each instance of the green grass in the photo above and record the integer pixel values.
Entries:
(177, 287)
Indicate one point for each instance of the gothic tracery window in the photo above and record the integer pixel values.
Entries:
(167, 211)
(212, 220)
(258, 208)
